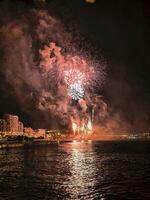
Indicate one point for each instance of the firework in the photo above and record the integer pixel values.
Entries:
(70, 69)
(66, 77)
(72, 76)
(89, 125)
(76, 91)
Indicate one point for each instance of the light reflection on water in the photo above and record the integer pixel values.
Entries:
(82, 168)
(102, 170)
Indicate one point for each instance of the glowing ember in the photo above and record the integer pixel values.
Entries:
(72, 76)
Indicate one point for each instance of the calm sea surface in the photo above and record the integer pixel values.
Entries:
(97, 170)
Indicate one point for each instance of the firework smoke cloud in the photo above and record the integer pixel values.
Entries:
(71, 80)
(51, 78)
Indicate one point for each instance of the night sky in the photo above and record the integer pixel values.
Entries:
(119, 31)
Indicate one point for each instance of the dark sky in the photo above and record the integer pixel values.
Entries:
(118, 29)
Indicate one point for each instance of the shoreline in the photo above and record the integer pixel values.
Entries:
(8, 144)
(15, 144)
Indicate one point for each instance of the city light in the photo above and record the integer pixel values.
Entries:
(75, 141)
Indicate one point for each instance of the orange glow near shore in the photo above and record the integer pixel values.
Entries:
(90, 1)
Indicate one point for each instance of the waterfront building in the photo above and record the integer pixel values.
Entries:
(40, 133)
(29, 131)
(3, 125)
(20, 127)
(12, 122)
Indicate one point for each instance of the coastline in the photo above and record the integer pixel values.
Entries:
(15, 144)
